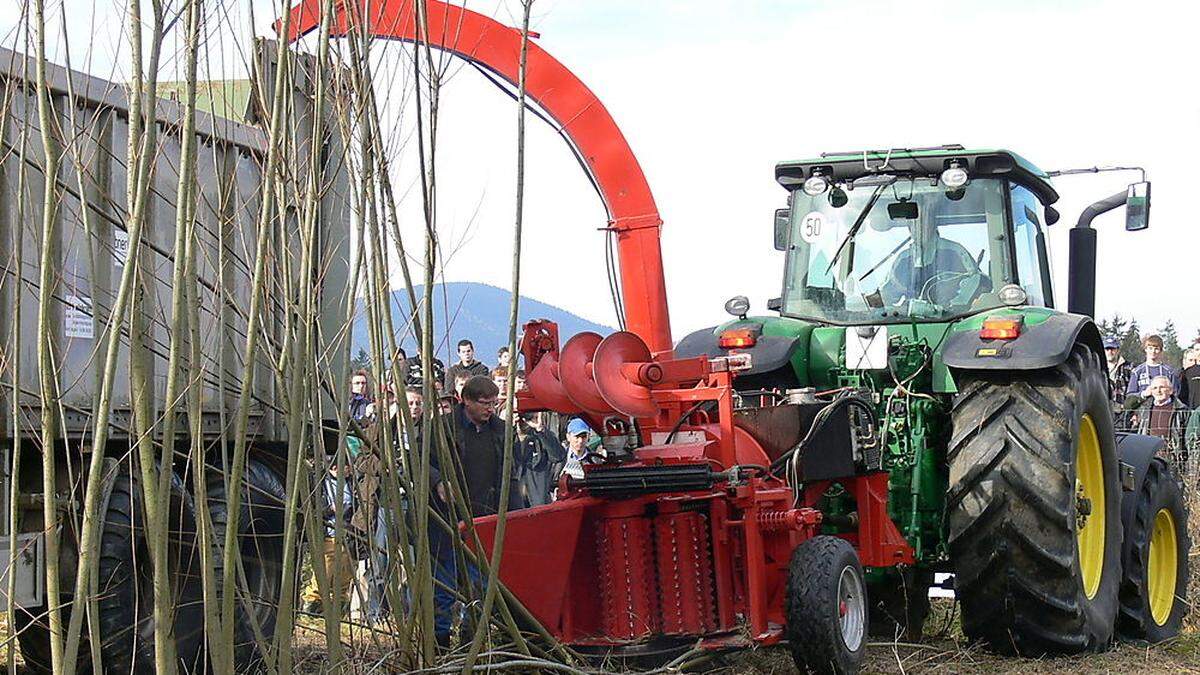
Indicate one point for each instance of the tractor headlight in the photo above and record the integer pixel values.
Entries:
(1012, 295)
(738, 306)
(816, 185)
(955, 177)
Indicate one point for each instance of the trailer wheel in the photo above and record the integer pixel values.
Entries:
(260, 540)
(32, 624)
(1154, 590)
(826, 607)
(900, 604)
(126, 581)
(1034, 508)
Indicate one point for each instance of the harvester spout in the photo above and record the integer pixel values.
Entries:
(575, 111)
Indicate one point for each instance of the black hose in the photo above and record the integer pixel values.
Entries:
(682, 418)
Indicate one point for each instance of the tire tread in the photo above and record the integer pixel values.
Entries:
(1010, 506)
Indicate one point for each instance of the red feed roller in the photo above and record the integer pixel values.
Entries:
(575, 373)
(547, 388)
(623, 394)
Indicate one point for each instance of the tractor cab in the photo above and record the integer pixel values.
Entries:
(928, 235)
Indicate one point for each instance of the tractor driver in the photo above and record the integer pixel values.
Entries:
(931, 268)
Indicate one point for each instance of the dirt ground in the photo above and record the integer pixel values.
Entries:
(935, 655)
(943, 651)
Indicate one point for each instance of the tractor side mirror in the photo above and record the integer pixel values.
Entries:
(1137, 207)
(782, 216)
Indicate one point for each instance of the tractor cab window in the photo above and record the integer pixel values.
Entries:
(922, 252)
(1027, 215)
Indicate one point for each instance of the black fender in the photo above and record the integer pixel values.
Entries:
(1134, 452)
(770, 357)
(1044, 345)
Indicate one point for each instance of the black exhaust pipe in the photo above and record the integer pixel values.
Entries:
(1081, 281)
(1081, 285)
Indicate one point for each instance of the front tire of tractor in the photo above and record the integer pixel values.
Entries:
(1034, 507)
(826, 607)
(1154, 591)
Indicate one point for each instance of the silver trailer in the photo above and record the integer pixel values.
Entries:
(90, 254)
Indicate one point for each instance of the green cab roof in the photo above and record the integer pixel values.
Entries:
(919, 161)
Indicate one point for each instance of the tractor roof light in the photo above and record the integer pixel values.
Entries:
(738, 338)
(816, 185)
(955, 176)
(1001, 327)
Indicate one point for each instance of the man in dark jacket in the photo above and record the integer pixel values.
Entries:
(409, 368)
(539, 454)
(360, 397)
(1189, 386)
(466, 364)
(478, 436)
(479, 440)
(1119, 371)
(1163, 415)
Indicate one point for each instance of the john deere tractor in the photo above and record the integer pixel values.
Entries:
(919, 281)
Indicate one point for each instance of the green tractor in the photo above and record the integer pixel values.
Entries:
(920, 280)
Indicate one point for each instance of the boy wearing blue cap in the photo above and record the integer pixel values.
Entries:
(577, 436)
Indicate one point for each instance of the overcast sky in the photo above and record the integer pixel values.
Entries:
(711, 94)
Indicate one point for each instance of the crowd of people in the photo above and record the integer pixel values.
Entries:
(472, 405)
(1155, 398)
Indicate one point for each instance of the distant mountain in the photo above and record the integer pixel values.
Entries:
(478, 312)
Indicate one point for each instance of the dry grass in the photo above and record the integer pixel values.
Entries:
(949, 653)
(943, 651)
(1182, 656)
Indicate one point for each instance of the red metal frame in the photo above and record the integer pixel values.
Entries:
(580, 116)
(878, 542)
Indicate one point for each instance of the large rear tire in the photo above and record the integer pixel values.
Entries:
(260, 540)
(826, 607)
(126, 581)
(1034, 508)
(1154, 591)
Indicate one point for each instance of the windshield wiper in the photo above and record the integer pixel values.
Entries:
(858, 222)
(886, 257)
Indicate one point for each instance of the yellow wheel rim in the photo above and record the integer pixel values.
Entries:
(1090, 506)
(1164, 561)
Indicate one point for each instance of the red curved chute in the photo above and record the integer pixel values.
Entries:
(579, 114)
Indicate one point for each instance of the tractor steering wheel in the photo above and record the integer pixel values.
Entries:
(969, 285)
